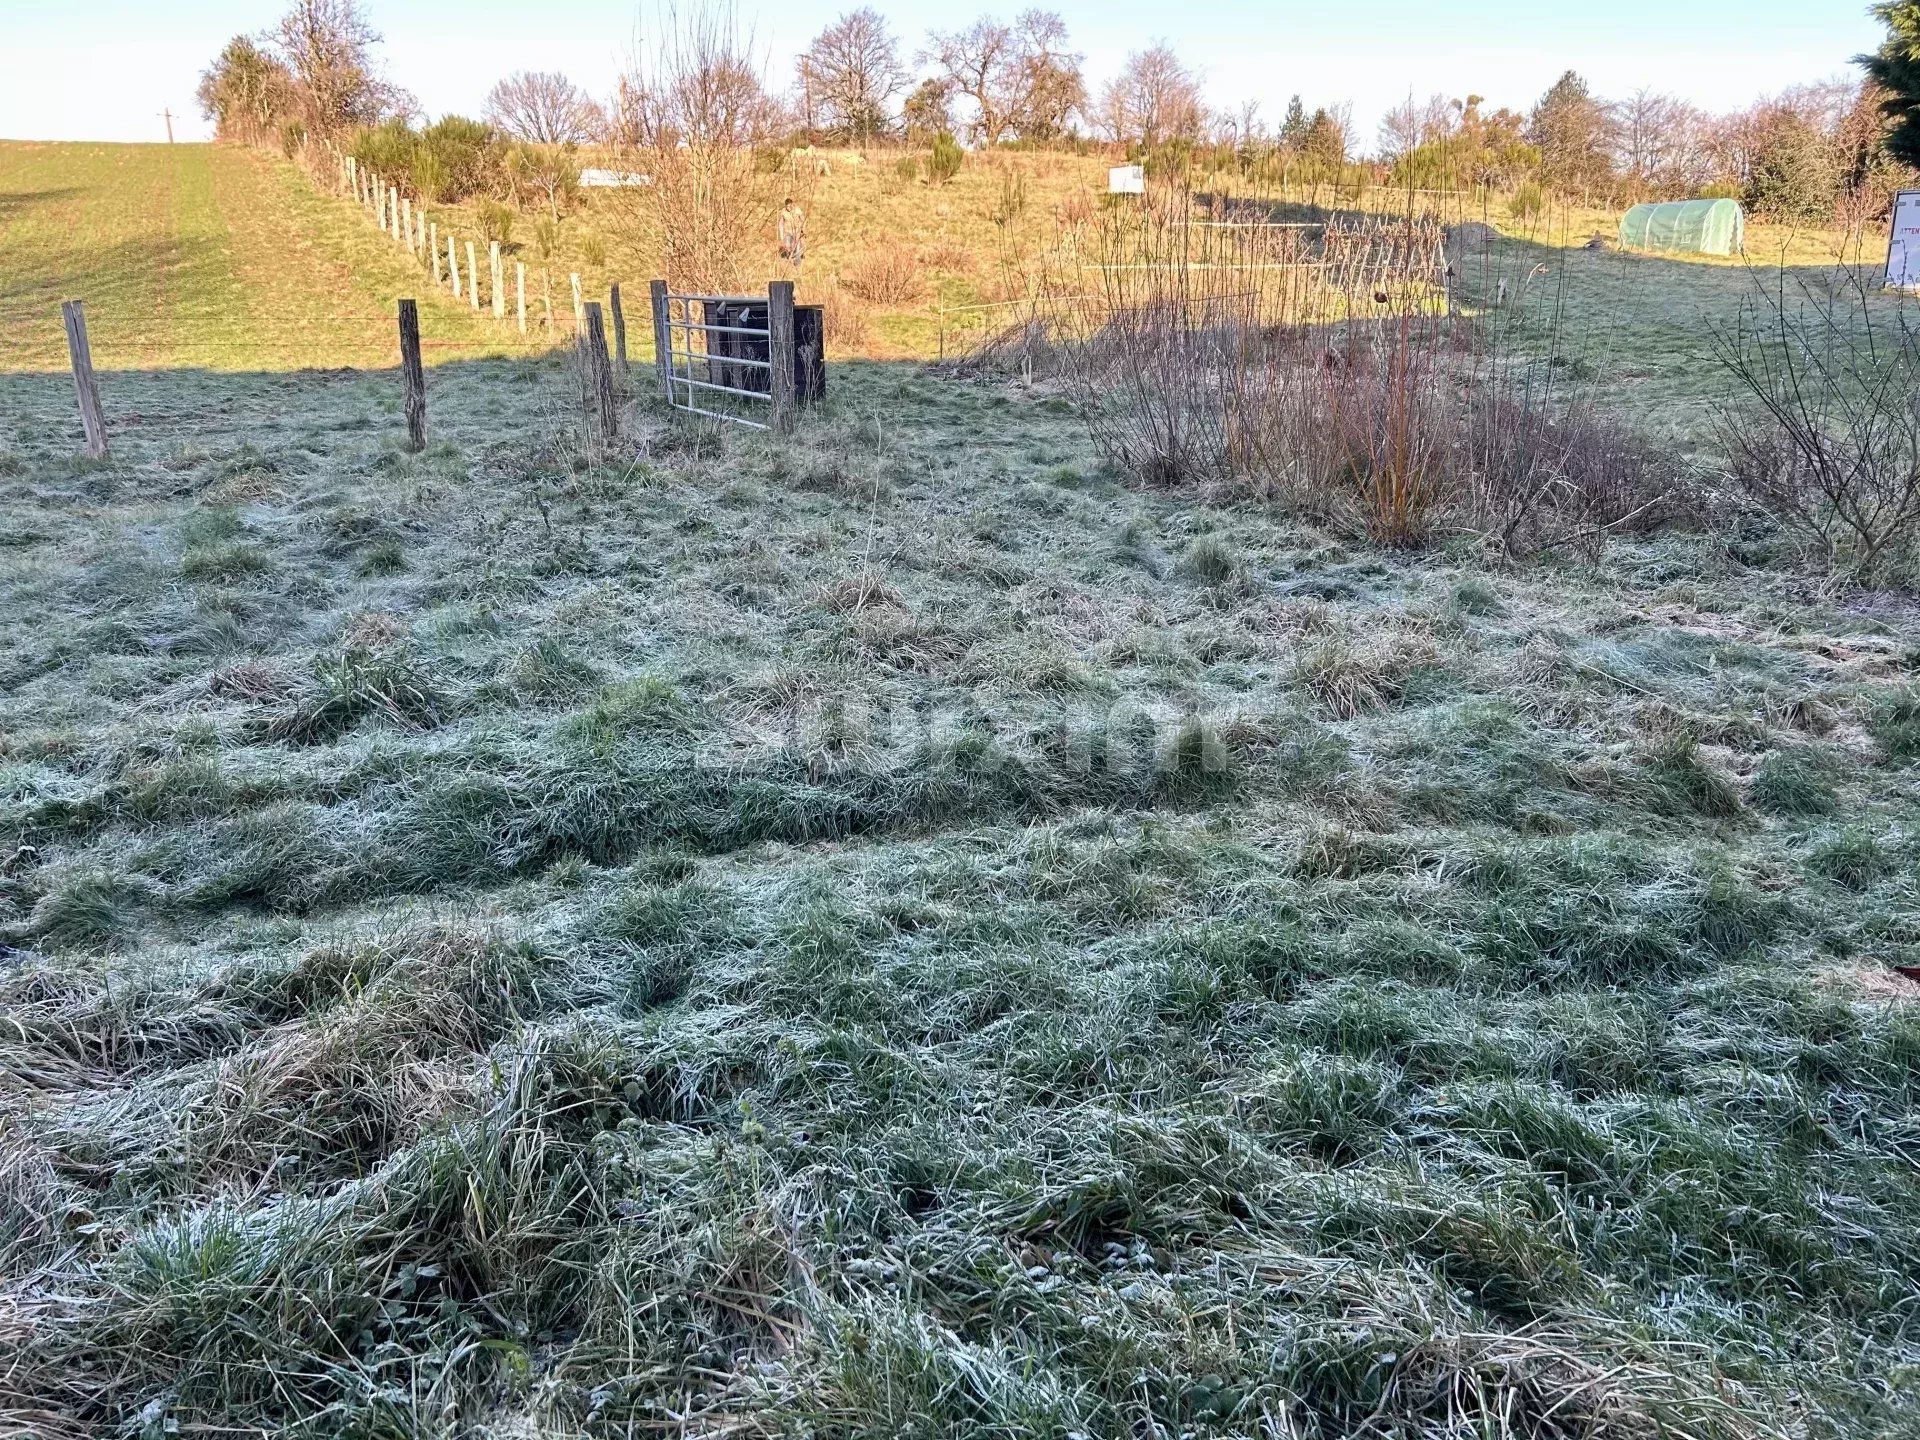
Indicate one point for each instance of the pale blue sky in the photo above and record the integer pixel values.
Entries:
(104, 69)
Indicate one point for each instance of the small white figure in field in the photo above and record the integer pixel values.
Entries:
(793, 232)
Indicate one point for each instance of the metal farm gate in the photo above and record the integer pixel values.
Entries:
(728, 356)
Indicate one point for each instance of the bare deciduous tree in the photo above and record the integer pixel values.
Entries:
(697, 81)
(328, 45)
(1048, 87)
(975, 61)
(1652, 134)
(1021, 78)
(696, 104)
(849, 76)
(544, 107)
(1411, 124)
(1155, 99)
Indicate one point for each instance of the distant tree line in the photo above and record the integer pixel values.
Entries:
(1798, 155)
(1803, 154)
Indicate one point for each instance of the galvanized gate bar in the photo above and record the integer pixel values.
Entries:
(688, 364)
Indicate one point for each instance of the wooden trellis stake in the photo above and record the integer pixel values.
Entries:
(93, 420)
(619, 336)
(605, 407)
(413, 377)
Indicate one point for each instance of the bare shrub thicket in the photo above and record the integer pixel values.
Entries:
(695, 104)
(887, 275)
(1321, 365)
(1826, 436)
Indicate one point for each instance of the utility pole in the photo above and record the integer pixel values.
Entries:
(167, 115)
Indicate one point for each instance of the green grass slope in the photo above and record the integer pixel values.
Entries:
(900, 934)
(202, 256)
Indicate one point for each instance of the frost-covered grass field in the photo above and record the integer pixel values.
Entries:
(903, 934)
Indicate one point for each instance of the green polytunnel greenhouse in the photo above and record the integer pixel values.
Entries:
(1691, 227)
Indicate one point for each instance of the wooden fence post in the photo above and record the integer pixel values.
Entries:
(662, 338)
(433, 244)
(406, 223)
(620, 371)
(600, 373)
(413, 379)
(473, 277)
(520, 292)
(379, 202)
(453, 267)
(393, 213)
(579, 314)
(499, 289)
(780, 352)
(73, 313)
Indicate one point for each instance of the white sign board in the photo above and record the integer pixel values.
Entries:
(1903, 247)
(613, 177)
(1132, 180)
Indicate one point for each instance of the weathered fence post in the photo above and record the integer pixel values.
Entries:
(453, 267)
(520, 293)
(499, 289)
(406, 222)
(662, 338)
(579, 315)
(379, 202)
(620, 370)
(420, 229)
(413, 379)
(73, 313)
(780, 352)
(473, 277)
(433, 244)
(600, 374)
(393, 213)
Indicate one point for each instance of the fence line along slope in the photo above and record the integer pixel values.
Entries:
(202, 256)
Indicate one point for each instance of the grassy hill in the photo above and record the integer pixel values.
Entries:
(200, 256)
(902, 933)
